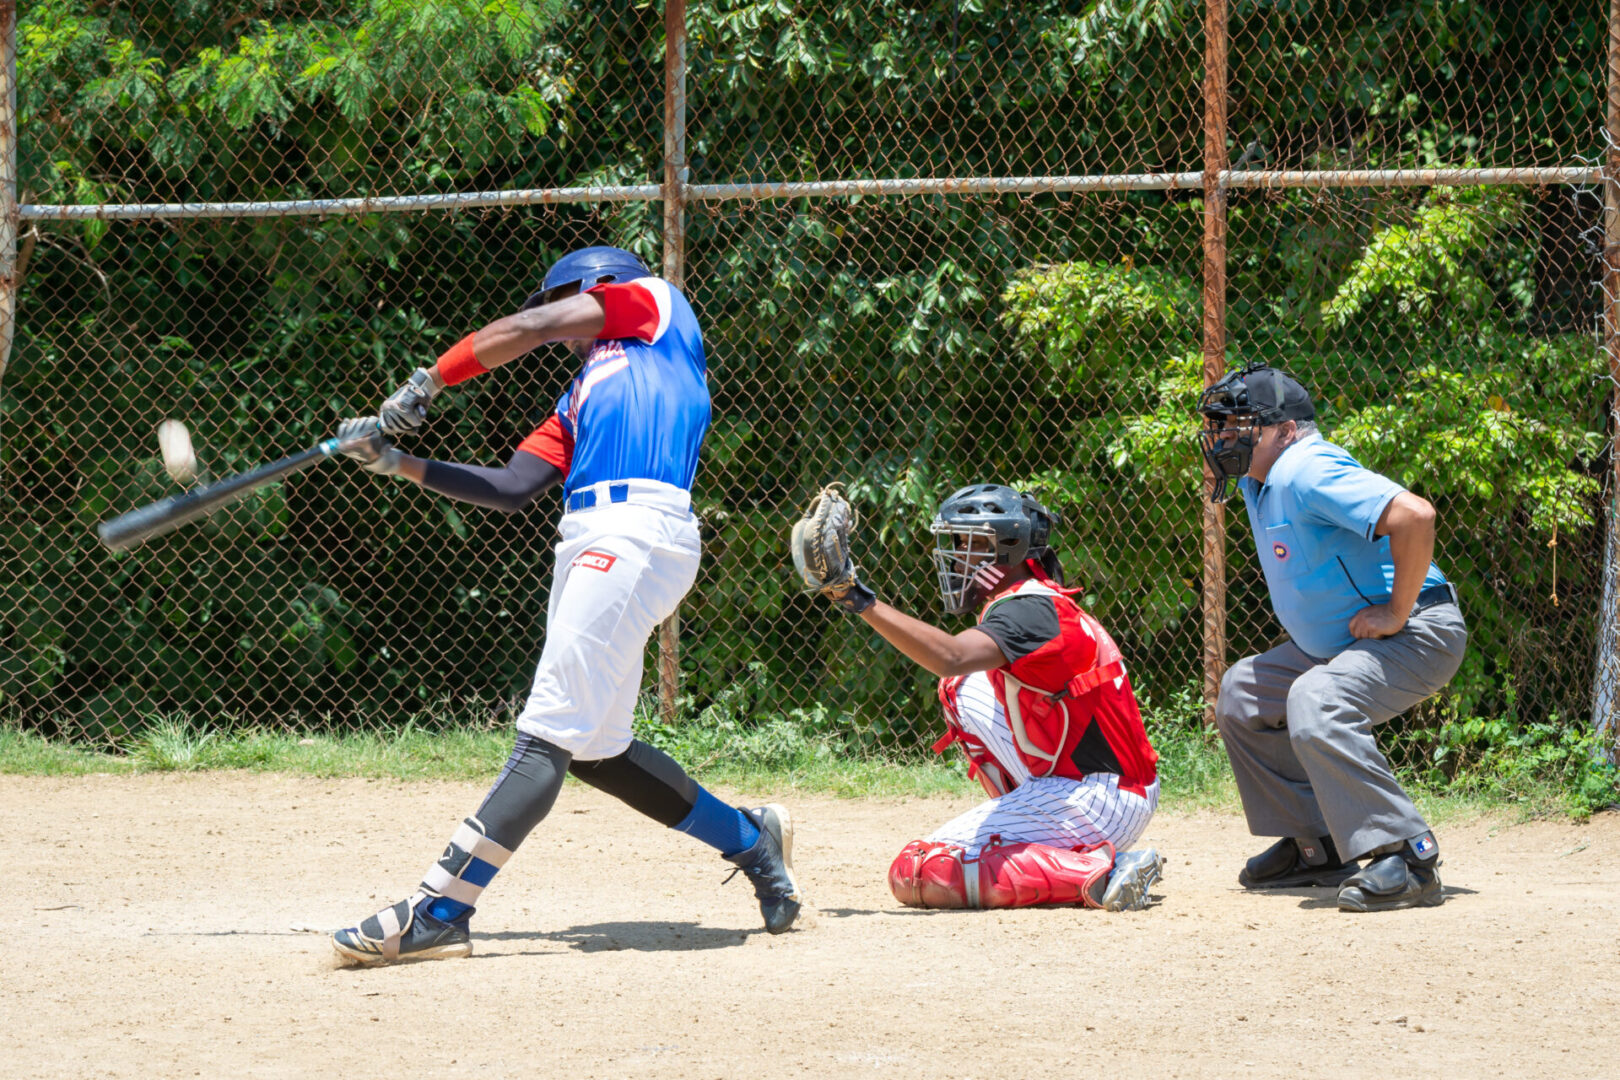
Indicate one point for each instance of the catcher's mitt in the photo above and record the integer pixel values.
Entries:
(821, 552)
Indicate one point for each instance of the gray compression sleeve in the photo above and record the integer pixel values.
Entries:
(507, 490)
(524, 792)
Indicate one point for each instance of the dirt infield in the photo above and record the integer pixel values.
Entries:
(166, 929)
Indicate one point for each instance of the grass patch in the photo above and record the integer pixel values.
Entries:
(1477, 764)
(1467, 770)
(173, 744)
(25, 753)
(1193, 773)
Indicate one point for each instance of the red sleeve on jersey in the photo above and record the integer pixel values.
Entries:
(550, 442)
(630, 311)
(459, 364)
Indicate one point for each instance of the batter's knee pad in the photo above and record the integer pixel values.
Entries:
(936, 875)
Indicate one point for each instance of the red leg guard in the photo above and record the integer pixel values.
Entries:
(932, 875)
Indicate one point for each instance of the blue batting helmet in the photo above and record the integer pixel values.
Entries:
(587, 267)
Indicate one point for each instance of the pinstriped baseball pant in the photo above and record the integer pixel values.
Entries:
(1051, 810)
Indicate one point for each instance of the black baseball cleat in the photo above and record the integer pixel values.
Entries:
(1389, 884)
(1407, 878)
(769, 865)
(403, 932)
(1290, 864)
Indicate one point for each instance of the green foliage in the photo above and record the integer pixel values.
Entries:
(903, 345)
(1093, 323)
(1192, 761)
(1160, 449)
(430, 90)
(1503, 758)
(1491, 435)
(1425, 268)
(729, 730)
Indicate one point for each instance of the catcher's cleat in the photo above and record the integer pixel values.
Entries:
(404, 931)
(1134, 873)
(769, 865)
(1290, 864)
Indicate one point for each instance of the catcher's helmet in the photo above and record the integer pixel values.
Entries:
(585, 268)
(985, 524)
(1236, 408)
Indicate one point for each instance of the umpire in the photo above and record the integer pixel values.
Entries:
(1374, 628)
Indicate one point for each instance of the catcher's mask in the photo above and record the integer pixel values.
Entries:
(985, 525)
(579, 270)
(1236, 408)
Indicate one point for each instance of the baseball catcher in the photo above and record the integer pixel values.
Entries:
(623, 442)
(1037, 697)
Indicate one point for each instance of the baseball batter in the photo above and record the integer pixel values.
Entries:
(1038, 698)
(1373, 628)
(624, 443)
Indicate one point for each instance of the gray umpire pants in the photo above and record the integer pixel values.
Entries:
(1298, 732)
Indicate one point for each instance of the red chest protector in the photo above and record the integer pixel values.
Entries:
(1053, 695)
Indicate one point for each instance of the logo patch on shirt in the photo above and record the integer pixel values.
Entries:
(1280, 550)
(595, 560)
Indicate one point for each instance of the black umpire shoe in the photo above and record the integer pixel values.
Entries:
(1406, 878)
(1290, 864)
(769, 866)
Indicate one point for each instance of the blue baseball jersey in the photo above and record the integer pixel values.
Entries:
(639, 408)
(1315, 520)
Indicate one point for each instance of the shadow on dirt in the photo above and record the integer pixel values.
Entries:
(1321, 899)
(637, 936)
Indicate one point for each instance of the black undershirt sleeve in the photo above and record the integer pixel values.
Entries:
(1022, 624)
(508, 489)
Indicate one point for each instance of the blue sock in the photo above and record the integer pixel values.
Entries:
(469, 863)
(447, 910)
(724, 828)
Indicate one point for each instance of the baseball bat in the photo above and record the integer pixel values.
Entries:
(166, 515)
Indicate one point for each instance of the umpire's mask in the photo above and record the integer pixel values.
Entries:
(984, 525)
(1235, 409)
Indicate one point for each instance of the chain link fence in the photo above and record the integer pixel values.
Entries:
(930, 244)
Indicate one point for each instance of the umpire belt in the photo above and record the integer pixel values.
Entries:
(1434, 595)
(653, 493)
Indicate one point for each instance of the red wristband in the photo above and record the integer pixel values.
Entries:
(459, 364)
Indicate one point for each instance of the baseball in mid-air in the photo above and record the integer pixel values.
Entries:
(179, 460)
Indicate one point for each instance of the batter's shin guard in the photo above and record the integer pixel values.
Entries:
(431, 922)
(469, 863)
(935, 875)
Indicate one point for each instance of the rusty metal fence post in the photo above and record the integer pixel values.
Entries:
(1606, 673)
(8, 181)
(674, 195)
(1214, 333)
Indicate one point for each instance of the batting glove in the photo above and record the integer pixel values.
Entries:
(361, 439)
(406, 408)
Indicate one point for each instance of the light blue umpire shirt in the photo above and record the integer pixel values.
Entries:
(1314, 521)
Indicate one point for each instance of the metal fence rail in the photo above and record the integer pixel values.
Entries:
(973, 260)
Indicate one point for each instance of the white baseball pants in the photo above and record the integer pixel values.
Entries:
(1051, 810)
(622, 569)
